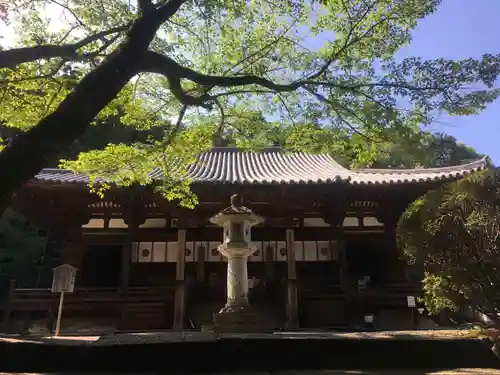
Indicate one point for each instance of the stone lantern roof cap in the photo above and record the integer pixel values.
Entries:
(236, 210)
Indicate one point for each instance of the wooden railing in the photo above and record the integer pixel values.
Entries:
(320, 291)
(386, 292)
(389, 295)
(40, 298)
(323, 305)
(123, 305)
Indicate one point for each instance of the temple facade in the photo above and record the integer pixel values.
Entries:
(325, 253)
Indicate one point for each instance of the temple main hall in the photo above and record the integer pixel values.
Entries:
(324, 256)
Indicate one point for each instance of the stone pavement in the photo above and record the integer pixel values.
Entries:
(271, 353)
(187, 336)
(316, 372)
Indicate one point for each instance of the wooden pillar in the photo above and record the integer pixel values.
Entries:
(269, 264)
(133, 216)
(336, 221)
(200, 263)
(292, 313)
(352, 306)
(124, 280)
(180, 289)
(335, 218)
(344, 267)
(132, 222)
(126, 260)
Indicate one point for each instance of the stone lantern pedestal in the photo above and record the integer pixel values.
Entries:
(237, 315)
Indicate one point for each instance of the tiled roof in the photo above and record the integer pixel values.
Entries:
(272, 166)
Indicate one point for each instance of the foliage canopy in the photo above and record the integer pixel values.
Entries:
(316, 76)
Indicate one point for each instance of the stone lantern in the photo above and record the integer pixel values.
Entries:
(237, 220)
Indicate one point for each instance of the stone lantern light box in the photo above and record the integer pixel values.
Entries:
(237, 221)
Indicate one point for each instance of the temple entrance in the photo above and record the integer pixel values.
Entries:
(365, 264)
(322, 302)
(101, 267)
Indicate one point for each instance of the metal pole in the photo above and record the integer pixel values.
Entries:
(59, 314)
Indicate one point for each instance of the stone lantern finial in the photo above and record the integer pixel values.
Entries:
(236, 200)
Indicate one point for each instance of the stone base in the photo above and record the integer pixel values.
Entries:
(241, 319)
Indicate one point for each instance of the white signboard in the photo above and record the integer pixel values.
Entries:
(411, 301)
(64, 279)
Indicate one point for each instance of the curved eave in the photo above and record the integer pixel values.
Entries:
(416, 176)
(82, 180)
(249, 169)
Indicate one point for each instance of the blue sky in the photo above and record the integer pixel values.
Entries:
(458, 30)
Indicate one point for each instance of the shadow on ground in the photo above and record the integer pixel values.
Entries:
(259, 354)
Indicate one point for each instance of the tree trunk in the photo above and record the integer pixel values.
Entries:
(29, 152)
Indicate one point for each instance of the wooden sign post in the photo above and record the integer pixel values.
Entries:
(63, 282)
(412, 303)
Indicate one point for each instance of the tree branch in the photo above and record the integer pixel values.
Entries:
(156, 63)
(164, 65)
(220, 129)
(12, 57)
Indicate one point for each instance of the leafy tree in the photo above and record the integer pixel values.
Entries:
(425, 150)
(416, 149)
(449, 234)
(197, 68)
(453, 234)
